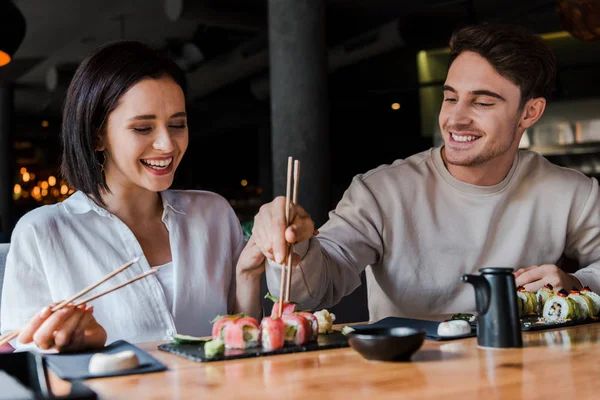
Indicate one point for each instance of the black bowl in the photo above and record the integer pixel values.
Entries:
(386, 344)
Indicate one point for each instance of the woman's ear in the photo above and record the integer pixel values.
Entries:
(532, 111)
(100, 142)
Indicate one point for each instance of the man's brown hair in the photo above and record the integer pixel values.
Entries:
(515, 52)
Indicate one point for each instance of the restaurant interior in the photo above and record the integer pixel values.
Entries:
(386, 61)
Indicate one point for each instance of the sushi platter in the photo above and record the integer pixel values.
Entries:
(551, 309)
(239, 336)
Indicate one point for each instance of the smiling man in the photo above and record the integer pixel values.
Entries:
(477, 201)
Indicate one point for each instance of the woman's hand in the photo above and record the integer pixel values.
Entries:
(68, 329)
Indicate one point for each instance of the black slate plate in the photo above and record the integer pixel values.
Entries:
(430, 327)
(532, 323)
(195, 352)
(71, 366)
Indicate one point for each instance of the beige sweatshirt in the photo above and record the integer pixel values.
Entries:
(417, 230)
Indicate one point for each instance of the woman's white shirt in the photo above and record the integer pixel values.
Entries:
(59, 249)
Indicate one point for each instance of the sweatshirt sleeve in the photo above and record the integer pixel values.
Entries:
(583, 240)
(25, 289)
(331, 263)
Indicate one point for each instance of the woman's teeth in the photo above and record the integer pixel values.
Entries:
(458, 138)
(158, 164)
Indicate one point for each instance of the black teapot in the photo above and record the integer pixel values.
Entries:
(498, 313)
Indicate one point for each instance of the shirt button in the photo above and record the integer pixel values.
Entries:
(169, 332)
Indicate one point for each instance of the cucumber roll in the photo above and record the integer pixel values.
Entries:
(529, 301)
(560, 307)
(542, 295)
(587, 292)
(584, 303)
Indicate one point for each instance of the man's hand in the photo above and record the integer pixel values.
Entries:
(271, 234)
(535, 277)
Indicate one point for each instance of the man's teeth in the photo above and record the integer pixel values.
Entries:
(158, 164)
(458, 138)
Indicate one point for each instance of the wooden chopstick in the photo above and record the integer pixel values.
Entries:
(291, 247)
(87, 289)
(112, 289)
(10, 336)
(288, 191)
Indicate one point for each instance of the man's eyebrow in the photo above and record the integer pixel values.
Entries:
(481, 92)
(484, 92)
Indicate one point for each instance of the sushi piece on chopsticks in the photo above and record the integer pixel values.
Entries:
(584, 304)
(297, 329)
(543, 294)
(272, 333)
(560, 307)
(241, 333)
(313, 322)
(288, 307)
(529, 301)
(595, 297)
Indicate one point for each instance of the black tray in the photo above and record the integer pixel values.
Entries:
(529, 324)
(75, 365)
(195, 352)
(430, 327)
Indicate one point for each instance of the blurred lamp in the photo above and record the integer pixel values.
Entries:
(581, 18)
(12, 30)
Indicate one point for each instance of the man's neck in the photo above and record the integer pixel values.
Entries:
(490, 173)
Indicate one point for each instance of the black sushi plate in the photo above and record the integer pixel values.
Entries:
(195, 351)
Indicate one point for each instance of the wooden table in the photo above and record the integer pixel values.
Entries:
(551, 364)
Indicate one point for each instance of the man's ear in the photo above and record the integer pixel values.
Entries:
(532, 111)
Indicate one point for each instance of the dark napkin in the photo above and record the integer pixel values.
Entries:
(430, 327)
(75, 366)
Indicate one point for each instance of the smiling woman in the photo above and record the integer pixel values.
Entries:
(123, 135)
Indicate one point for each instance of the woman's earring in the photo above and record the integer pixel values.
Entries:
(103, 160)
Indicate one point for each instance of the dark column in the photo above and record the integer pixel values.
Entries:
(265, 166)
(6, 159)
(299, 104)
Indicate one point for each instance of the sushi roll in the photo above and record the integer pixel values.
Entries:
(520, 305)
(297, 329)
(529, 301)
(542, 295)
(584, 303)
(272, 332)
(219, 323)
(560, 307)
(586, 291)
(313, 321)
(241, 333)
(288, 307)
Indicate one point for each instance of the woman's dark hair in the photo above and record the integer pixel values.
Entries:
(515, 52)
(97, 86)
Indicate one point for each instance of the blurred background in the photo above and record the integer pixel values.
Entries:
(379, 67)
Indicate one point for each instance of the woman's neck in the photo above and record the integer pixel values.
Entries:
(133, 204)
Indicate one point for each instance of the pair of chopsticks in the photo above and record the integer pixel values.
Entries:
(10, 336)
(286, 271)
